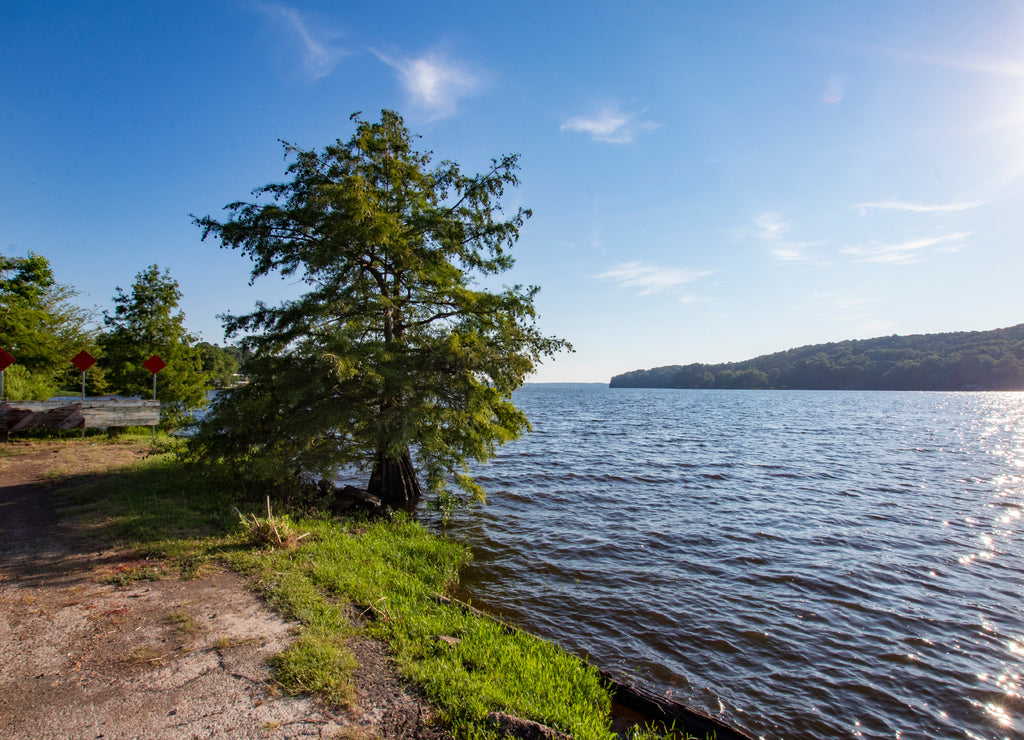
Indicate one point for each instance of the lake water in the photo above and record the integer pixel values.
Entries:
(801, 564)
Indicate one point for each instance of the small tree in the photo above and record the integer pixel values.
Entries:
(144, 322)
(41, 326)
(395, 349)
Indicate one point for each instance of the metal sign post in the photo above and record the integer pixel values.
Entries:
(154, 364)
(83, 361)
(6, 360)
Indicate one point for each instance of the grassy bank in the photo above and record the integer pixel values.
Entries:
(378, 578)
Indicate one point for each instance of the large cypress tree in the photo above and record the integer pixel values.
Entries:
(395, 353)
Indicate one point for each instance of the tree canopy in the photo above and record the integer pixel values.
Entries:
(395, 351)
(40, 326)
(145, 321)
(221, 364)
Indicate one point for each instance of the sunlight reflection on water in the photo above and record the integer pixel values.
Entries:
(804, 564)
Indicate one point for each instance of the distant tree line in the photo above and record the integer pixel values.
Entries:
(978, 360)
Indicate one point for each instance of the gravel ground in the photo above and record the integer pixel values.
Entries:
(166, 658)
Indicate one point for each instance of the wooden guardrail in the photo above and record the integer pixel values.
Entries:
(91, 413)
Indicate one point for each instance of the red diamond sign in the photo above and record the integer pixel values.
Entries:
(83, 360)
(6, 359)
(154, 364)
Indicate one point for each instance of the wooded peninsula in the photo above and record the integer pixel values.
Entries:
(952, 361)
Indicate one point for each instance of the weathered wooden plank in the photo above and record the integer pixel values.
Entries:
(10, 416)
(86, 404)
(71, 420)
(62, 417)
(96, 418)
(97, 412)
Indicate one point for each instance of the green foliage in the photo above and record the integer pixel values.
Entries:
(394, 347)
(221, 364)
(41, 327)
(989, 360)
(24, 385)
(144, 323)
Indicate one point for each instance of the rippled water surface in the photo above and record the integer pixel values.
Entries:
(801, 564)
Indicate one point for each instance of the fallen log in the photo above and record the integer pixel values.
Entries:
(669, 712)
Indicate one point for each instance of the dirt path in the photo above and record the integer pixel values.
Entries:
(81, 657)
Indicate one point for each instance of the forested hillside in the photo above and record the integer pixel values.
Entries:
(977, 360)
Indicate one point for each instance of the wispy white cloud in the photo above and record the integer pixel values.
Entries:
(650, 279)
(610, 125)
(901, 205)
(907, 252)
(770, 226)
(834, 90)
(316, 43)
(983, 64)
(967, 61)
(789, 254)
(433, 82)
(793, 251)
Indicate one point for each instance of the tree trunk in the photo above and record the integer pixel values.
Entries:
(393, 480)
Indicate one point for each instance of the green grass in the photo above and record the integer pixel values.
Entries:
(390, 571)
(126, 574)
(182, 622)
(659, 731)
(318, 663)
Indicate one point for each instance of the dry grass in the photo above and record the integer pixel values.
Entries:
(274, 532)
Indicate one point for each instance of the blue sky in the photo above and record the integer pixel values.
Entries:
(710, 181)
